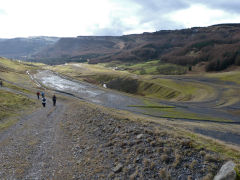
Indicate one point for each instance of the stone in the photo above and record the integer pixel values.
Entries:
(226, 172)
(139, 136)
(118, 168)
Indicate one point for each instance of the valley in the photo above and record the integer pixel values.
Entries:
(197, 115)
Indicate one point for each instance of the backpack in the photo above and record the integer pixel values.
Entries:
(43, 100)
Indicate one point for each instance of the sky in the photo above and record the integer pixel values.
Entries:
(71, 18)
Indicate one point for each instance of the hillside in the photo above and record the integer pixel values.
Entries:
(23, 48)
(217, 45)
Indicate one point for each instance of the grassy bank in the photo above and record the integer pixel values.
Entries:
(154, 67)
(15, 71)
(11, 106)
(232, 76)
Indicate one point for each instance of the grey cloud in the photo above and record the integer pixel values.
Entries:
(161, 5)
(151, 10)
(153, 13)
(227, 5)
(116, 28)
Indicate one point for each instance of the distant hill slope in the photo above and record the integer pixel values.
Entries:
(24, 48)
(217, 45)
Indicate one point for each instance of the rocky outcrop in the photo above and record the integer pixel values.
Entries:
(226, 172)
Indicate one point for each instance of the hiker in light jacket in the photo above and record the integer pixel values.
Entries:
(44, 101)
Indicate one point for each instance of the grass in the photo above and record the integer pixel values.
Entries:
(183, 91)
(19, 66)
(11, 105)
(201, 142)
(151, 106)
(153, 67)
(15, 72)
(172, 112)
(7, 123)
(17, 88)
(176, 114)
(15, 77)
(233, 76)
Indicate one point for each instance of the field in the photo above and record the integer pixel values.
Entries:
(232, 76)
(154, 67)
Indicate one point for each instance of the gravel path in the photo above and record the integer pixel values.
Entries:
(28, 145)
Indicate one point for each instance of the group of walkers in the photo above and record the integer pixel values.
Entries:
(54, 98)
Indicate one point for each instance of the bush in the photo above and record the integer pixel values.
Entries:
(125, 85)
(171, 69)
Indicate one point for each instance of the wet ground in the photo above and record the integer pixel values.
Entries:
(88, 92)
(117, 100)
(114, 99)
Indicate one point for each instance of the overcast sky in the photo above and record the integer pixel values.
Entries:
(68, 18)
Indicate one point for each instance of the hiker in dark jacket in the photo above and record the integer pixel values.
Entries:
(38, 94)
(54, 99)
(43, 95)
(1, 83)
(44, 101)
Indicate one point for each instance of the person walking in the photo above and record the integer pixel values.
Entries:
(54, 99)
(1, 83)
(44, 101)
(38, 94)
(43, 95)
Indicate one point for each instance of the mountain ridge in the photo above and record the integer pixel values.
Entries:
(217, 45)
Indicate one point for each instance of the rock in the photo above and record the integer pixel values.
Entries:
(118, 168)
(139, 136)
(226, 172)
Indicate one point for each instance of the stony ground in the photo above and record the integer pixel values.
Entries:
(76, 140)
(108, 147)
